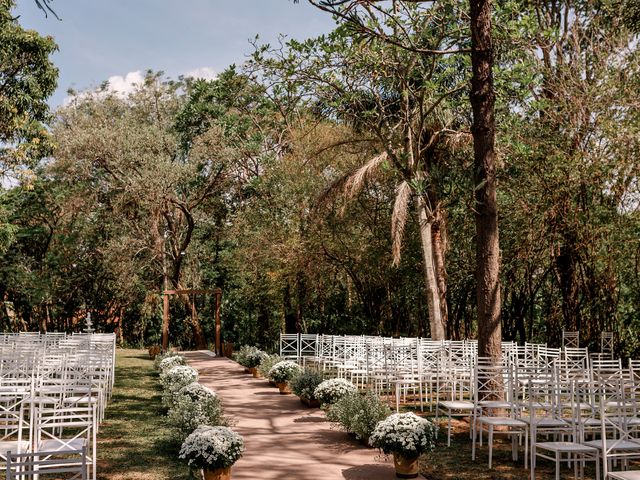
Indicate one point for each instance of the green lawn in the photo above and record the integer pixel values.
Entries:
(134, 443)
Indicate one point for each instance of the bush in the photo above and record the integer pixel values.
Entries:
(330, 391)
(284, 371)
(304, 385)
(254, 358)
(405, 434)
(359, 414)
(168, 361)
(212, 447)
(193, 406)
(242, 355)
(173, 380)
(267, 362)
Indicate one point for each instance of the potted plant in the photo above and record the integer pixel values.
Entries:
(359, 414)
(282, 372)
(330, 391)
(305, 384)
(242, 356)
(253, 360)
(214, 450)
(265, 365)
(194, 405)
(406, 436)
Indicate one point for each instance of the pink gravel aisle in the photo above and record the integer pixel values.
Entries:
(283, 438)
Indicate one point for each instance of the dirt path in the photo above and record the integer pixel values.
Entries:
(283, 438)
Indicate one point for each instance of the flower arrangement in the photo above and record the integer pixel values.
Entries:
(168, 361)
(254, 358)
(404, 434)
(210, 447)
(359, 414)
(284, 371)
(267, 362)
(330, 391)
(174, 379)
(304, 385)
(194, 405)
(242, 355)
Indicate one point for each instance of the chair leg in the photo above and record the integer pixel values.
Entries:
(490, 441)
(449, 430)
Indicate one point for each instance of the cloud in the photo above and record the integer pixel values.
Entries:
(123, 86)
(205, 73)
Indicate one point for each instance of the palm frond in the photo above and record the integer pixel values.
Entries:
(399, 219)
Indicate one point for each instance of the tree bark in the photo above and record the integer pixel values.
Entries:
(482, 99)
(439, 240)
(431, 283)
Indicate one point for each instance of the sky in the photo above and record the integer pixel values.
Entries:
(118, 40)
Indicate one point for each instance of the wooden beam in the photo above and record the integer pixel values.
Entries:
(187, 291)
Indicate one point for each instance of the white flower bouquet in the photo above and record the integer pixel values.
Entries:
(254, 358)
(167, 362)
(194, 405)
(176, 378)
(284, 371)
(404, 434)
(330, 391)
(212, 447)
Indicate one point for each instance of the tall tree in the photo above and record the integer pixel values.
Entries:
(482, 98)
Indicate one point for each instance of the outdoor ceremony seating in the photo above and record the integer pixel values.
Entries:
(567, 405)
(54, 389)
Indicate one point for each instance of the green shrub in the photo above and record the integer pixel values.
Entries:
(268, 362)
(359, 414)
(305, 384)
(245, 354)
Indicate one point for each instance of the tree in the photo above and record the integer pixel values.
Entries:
(400, 101)
(482, 98)
(27, 78)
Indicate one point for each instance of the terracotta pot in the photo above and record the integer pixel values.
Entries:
(406, 467)
(217, 474)
(311, 403)
(254, 371)
(284, 388)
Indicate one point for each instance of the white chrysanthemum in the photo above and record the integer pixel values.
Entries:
(330, 391)
(212, 447)
(404, 433)
(284, 371)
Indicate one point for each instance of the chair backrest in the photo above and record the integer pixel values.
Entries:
(71, 463)
(570, 339)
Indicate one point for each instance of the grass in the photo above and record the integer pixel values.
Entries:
(134, 442)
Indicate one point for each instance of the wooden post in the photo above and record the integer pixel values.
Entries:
(165, 322)
(218, 293)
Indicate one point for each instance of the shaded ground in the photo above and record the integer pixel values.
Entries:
(283, 438)
(133, 442)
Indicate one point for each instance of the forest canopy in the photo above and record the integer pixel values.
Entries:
(326, 185)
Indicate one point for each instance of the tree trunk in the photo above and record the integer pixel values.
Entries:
(482, 99)
(431, 282)
(289, 312)
(439, 240)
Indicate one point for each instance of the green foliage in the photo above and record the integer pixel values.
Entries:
(359, 413)
(268, 362)
(304, 385)
(27, 78)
